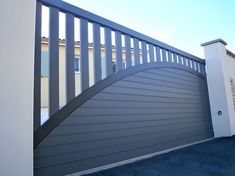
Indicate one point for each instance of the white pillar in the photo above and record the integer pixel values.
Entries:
(16, 87)
(215, 54)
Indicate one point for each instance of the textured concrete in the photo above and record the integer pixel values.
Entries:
(213, 158)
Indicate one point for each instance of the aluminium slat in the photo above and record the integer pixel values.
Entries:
(164, 55)
(53, 61)
(84, 54)
(175, 57)
(118, 47)
(151, 53)
(128, 51)
(37, 68)
(144, 51)
(169, 56)
(136, 52)
(69, 48)
(96, 52)
(108, 51)
(158, 54)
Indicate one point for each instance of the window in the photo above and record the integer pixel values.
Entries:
(77, 64)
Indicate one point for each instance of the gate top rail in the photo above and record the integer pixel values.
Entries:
(80, 13)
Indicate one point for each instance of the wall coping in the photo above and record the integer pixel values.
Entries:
(214, 41)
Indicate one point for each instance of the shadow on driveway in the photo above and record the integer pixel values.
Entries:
(212, 158)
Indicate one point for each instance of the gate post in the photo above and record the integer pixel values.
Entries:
(219, 87)
(16, 86)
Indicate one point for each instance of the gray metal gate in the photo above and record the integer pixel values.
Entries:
(157, 101)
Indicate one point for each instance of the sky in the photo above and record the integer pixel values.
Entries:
(184, 24)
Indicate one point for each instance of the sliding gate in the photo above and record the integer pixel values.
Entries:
(152, 96)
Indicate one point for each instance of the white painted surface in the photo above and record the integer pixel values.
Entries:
(220, 70)
(16, 95)
(229, 72)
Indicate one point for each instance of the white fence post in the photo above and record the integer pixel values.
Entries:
(16, 90)
(220, 94)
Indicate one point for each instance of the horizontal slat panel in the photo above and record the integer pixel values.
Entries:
(141, 86)
(108, 136)
(111, 127)
(122, 111)
(148, 92)
(160, 82)
(182, 74)
(115, 149)
(159, 85)
(150, 108)
(167, 78)
(129, 104)
(115, 157)
(115, 118)
(93, 145)
(143, 98)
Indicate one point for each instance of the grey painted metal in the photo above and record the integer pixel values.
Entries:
(65, 7)
(113, 125)
(96, 52)
(158, 54)
(37, 68)
(144, 51)
(151, 53)
(128, 51)
(53, 61)
(69, 49)
(175, 57)
(169, 56)
(118, 48)
(136, 52)
(84, 54)
(108, 51)
(181, 60)
(194, 65)
(59, 116)
(187, 62)
(184, 60)
(202, 68)
(198, 67)
(190, 63)
(164, 55)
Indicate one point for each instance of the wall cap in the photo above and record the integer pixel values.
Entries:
(214, 41)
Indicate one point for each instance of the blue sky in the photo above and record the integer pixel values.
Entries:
(184, 24)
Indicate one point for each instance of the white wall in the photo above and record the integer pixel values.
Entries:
(230, 75)
(16, 95)
(220, 69)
